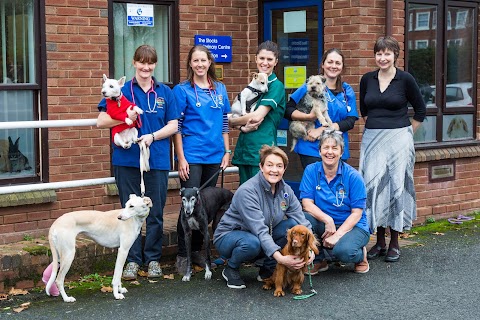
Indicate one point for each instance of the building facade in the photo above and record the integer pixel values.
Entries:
(54, 52)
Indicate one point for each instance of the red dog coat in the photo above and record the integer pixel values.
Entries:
(117, 109)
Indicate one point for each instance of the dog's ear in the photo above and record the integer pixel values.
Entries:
(197, 191)
(254, 75)
(324, 79)
(133, 195)
(181, 190)
(147, 201)
(105, 78)
(312, 242)
(121, 81)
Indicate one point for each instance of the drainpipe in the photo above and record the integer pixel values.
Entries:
(388, 17)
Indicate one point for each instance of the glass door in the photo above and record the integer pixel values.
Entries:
(296, 26)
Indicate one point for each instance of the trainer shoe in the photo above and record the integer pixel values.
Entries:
(234, 281)
(363, 266)
(321, 266)
(154, 270)
(181, 265)
(264, 274)
(130, 272)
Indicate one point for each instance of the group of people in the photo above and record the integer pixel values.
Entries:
(341, 205)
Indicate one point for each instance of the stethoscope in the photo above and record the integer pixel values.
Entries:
(340, 193)
(150, 109)
(329, 99)
(213, 96)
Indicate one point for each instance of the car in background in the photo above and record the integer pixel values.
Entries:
(457, 95)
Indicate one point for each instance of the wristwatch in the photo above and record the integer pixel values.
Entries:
(228, 151)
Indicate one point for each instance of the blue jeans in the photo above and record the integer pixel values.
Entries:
(349, 248)
(241, 246)
(156, 183)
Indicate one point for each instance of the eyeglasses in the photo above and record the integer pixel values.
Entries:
(330, 131)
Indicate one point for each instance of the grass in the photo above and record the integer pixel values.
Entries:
(443, 226)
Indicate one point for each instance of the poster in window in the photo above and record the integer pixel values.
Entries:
(458, 126)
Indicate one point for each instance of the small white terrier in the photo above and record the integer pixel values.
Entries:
(246, 100)
(124, 134)
(314, 99)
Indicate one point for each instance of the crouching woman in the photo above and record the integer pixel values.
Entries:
(334, 197)
(256, 224)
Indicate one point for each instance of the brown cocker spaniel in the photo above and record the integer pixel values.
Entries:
(300, 240)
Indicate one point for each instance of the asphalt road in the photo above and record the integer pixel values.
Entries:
(439, 280)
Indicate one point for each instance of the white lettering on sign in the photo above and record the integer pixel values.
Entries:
(226, 47)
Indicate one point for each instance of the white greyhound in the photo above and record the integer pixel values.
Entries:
(112, 229)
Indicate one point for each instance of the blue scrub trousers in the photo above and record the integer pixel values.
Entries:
(156, 184)
(349, 249)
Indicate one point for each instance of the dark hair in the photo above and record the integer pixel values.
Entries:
(387, 43)
(269, 46)
(267, 150)
(211, 75)
(338, 84)
(145, 54)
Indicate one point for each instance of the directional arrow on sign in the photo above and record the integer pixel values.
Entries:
(224, 56)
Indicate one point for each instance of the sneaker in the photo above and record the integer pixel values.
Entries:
(264, 274)
(234, 281)
(181, 265)
(363, 266)
(130, 272)
(321, 266)
(46, 276)
(154, 270)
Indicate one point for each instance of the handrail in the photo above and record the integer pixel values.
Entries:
(64, 184)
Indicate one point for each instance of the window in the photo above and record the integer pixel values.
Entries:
(461, 19)
(19, 89)
(451, 113)
(421, 44)
(161, 32)
(422, 20)
(128, 36)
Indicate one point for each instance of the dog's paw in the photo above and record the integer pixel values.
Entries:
(119, 296)
(297, 291)
(128, 121)
(69, 299)
(186, 277)
(266, 287)
(123, 290)
(208, 275)
(279, 293)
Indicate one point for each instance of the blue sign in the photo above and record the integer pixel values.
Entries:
(294, 50)
(219, 46)
(139, 15)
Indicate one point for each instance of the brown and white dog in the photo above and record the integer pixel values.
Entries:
(246, 100)
(124, 134)
(314, 99)
(300, 240)
(111, 229)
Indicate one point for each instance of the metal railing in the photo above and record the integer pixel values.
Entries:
(64, 184)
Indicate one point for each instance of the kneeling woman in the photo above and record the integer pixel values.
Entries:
(333, 195)
(255, 225)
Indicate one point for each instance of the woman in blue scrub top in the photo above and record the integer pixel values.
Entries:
(159, 122)
(342, 108)
(202, 142)
(333, 195)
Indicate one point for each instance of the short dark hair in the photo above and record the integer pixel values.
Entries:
(387, 43)
(269, 46)
(145, 54)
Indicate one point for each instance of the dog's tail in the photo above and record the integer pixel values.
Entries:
(52, 239)
(294, 143)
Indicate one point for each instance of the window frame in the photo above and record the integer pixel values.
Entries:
(440, 109)
(173, 52)
(40, 101)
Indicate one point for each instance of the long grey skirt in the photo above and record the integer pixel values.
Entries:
(387, 160)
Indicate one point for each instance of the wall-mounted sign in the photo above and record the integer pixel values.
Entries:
(282, 138)
(294, 50)
(140, 15)
(294, 76)
(219, 46)
(443, 170)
